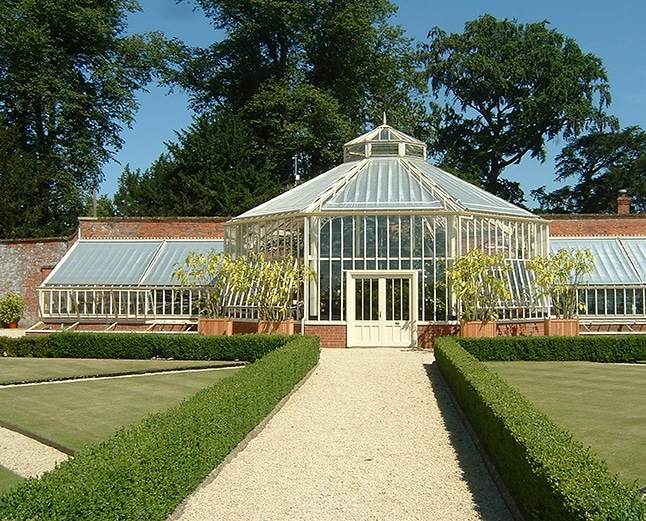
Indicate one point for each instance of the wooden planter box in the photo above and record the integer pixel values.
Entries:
(215, 326)
(561, 326)
(281, 327)
(478, 329)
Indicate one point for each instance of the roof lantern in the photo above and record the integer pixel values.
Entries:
(383, 141)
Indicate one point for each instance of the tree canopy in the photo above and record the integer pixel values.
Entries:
(508, 89)
(301, 78)
(67, 81)
(213, 169)
(602, 165)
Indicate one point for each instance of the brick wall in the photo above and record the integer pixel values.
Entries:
(597, 225)
(23, 265)
(151, 228)
(332, 335)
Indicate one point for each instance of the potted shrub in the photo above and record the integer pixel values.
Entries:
(558, 277)
(11, 308)
(273, 287)
(480, 281)
(211, 275)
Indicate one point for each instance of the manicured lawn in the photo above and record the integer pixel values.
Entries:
(74, 414)
(8, 479)
(30, 369)
(602, 405)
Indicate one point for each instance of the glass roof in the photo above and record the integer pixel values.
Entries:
(382, 183)
(125, 262)
(386, 170)
(618, 260)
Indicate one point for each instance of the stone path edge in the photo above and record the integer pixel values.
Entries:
(179, 510)
(506, 495)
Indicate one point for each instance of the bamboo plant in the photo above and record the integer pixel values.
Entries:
(212, 274)
(559, 277)
(480, 281)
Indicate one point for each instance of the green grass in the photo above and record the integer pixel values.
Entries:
(34, 369)
(8, 479)
(74, 414)
(602, 405)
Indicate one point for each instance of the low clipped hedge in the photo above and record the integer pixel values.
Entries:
(624, 348)
(142, 346)
(145, 471)
(551, 475)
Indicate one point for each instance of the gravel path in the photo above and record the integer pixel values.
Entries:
(25, 456)
(371, 435)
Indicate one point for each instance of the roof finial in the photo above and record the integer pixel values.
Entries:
(385, 118)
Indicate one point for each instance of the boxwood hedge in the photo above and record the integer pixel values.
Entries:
(624, 348)
(145, 471)
(550, 474)
(142, 346)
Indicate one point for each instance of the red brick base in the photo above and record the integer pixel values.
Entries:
(331, 335)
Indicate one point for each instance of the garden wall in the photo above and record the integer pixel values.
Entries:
(24, 264)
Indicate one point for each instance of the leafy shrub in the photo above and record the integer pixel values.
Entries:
(143, 346)
(624, 348)
(551, 475)
(145, 471)
(25, 346)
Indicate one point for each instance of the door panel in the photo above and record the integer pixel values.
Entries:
(382, 308)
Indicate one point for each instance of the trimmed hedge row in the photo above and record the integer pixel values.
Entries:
(551, 475)
(624, 348)
(143, 346)
(145, 471)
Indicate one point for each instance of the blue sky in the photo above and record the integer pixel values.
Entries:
(614, 32)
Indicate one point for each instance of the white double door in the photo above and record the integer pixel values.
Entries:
(382, 308)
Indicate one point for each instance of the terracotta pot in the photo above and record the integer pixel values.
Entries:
(477, 328)
(13, 325)
(215, 326)
(282, 327)
(561, 326)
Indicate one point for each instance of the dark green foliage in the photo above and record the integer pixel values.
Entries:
(283, 80)
(504, 89)
(551, 475)
(26, 346)
(145, 471)
(143, 346)
(624, 348)
(213, 169)
(68, 78)
(601, 164)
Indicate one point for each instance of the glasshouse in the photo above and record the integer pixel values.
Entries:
(117, 282)
(378, 232)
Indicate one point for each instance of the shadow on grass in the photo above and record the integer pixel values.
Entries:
(486, 486)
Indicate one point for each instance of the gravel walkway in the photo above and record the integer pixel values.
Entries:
(371, 435)
(25, 456)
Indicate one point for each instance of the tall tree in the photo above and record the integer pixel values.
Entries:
(67, 81)
(306, 75)
(602, 165)
(508, 89)
(213, 169)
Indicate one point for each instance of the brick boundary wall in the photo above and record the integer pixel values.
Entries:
(596, 225)
(151, 228)
(24, 264)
